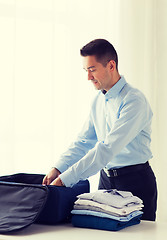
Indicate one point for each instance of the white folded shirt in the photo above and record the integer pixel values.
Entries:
(113, 197)
(112, 210)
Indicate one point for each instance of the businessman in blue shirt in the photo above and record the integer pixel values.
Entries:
(115, 139)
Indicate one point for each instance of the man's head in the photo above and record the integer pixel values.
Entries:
(100, 61)
(102, 50)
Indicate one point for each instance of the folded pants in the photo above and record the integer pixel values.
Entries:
(94, 222)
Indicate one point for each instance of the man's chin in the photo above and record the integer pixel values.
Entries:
(97, 87)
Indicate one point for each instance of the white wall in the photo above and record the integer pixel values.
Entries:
(161, 105)
(43, 85)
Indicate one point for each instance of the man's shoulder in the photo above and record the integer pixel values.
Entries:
(135, 98)
(133, 93)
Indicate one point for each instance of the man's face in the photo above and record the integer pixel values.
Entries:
(99, 75)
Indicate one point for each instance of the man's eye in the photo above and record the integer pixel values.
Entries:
(93, 70)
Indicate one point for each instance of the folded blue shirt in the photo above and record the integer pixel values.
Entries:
(105, 215)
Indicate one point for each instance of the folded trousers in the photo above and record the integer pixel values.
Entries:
(88, 221)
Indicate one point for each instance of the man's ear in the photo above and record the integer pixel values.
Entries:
(112, 65)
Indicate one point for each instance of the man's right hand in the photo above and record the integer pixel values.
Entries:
(53, 174)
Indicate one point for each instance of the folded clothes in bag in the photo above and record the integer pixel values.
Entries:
(24, 200)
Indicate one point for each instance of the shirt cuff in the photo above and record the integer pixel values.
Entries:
(68, 178)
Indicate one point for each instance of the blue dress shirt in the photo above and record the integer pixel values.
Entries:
(105, 215)
(116, 134)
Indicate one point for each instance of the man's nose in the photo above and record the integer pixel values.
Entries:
(90, 76)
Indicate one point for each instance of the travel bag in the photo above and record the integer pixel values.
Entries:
(24, 200)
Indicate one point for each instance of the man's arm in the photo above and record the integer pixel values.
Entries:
(134, 116)
(84, 142)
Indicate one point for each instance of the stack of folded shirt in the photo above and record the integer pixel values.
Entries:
(107, 210)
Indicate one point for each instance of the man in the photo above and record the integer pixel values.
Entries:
(116, 137)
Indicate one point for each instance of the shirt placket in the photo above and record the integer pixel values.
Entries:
(107, 116)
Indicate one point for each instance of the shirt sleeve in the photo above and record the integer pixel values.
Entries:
(85, 141)
(134, 115)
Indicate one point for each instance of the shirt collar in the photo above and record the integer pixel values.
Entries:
(113, 92)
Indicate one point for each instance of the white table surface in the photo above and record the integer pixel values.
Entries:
(145, 230)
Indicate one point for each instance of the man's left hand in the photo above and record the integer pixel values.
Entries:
(57, 182)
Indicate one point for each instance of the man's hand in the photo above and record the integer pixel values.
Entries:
(57, 182)
(53, 174)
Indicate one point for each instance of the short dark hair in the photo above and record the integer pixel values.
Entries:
(103, 51)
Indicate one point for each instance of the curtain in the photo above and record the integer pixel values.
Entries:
(44, 93)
